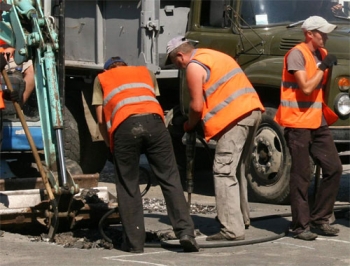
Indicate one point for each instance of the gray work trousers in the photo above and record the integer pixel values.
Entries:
(231, 156)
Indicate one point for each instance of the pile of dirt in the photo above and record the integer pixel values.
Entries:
(91, 238)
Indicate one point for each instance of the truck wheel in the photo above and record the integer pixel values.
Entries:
(79, 147)
(268, 173)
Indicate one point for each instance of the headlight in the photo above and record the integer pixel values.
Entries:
(342, 105)
(344, 84)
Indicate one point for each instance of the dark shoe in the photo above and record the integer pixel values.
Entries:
(189, 244)
(306, 235)
(325, 229)
(220, 237)
(125, 247)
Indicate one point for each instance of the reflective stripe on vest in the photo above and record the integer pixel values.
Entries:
(226, 102)
(293, 104)
(131, 100)
(126, 87)
(221, 81)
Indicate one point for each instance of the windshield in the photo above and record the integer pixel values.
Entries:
(265, 12)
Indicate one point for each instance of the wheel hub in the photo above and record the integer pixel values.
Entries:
(267, 156)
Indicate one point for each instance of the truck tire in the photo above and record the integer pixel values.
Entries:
(79, 147)
(268, 172)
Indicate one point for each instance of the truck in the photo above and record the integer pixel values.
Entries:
(258, 34)
(255, 33)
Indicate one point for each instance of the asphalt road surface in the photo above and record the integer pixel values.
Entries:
(271, 245)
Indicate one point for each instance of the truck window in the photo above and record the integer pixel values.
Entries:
(213, 14)
(266, 12)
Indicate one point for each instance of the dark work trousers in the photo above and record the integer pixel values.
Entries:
(320, 145)
(147, 134)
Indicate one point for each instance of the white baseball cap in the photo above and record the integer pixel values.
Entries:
(176, 42)
(318, 23)
(172, 45)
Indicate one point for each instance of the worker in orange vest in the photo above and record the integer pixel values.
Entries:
(306, 118)
(131, 122)
(26, 69)
(5, 93)
(227, 105)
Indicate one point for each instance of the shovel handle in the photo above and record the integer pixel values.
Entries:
(30, 139)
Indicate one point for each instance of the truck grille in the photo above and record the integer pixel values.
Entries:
(287, 44)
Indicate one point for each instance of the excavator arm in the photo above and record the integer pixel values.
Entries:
(33, 35)
(24, 27)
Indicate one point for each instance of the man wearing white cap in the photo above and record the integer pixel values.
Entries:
(306, 118)
(227, 105)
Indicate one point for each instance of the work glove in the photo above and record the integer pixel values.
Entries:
(327, 62)
(10, 95)
(3, 62)
(187, 128)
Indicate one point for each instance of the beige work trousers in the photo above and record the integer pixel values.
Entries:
(232, 154)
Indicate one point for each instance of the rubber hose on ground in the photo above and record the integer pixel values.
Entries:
(111, 211)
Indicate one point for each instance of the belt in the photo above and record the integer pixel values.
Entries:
(143, 114)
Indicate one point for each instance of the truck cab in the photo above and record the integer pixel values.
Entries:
(257, 34)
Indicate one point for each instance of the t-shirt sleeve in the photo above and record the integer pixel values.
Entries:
(155, 83)
(295, 61)
(97, 95)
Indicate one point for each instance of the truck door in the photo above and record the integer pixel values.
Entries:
(211, 25)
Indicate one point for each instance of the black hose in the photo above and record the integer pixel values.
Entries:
(111, 211)
(163, 244)
(214, 244)
(220, 244)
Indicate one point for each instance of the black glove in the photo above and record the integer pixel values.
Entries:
(327, 62)
(11, 96)
(3, 62)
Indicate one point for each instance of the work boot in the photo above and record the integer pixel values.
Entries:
(306, 235)
(189, 244)
(325, 229)
(221, 237)
(125, 247)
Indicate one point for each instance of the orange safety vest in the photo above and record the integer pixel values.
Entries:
(127, 90)
(2, 43)
(228, 94)
(2, 103)
(298, 110)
